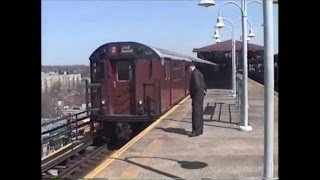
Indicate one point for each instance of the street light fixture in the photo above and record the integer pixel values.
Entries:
(206, 3)
(251, 33)
(248, 38)
(217, 40)
(220, 23)
(216, 34)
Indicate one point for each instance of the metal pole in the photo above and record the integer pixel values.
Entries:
(234, 74)
(244, 125)
(268, 88)
(233, 52)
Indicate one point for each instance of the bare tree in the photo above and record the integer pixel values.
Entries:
(56, 87)
(46, 110)
(49, 101)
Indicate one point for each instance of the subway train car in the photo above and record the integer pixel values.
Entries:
(133, 84)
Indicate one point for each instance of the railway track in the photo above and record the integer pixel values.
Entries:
(80, 164)
(86, 158)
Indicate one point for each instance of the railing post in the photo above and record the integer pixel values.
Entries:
(236, 92)
(87, 95)
(76, 121)
(69, 128)
(239, 94)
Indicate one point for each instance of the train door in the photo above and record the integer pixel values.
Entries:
(166, 96)
(98, 71)
(185, 77)
(123, 86)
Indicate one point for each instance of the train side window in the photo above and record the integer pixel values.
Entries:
(150, 69)
(167, 71)
(124, 71)
(98, 70)
(183, 69)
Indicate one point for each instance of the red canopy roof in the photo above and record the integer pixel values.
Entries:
(226, 46)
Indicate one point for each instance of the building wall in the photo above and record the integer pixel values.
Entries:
(65, 81)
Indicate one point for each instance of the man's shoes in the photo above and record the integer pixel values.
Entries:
(193, 134)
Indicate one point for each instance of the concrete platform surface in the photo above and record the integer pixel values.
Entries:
(222, 152)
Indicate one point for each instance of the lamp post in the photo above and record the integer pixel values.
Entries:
(220, 24)
(268, 78)
(244, 126)
(243, 8)
(268, 87)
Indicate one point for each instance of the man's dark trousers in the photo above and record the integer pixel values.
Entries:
(197, 113)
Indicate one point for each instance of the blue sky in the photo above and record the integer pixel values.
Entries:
(71, 30)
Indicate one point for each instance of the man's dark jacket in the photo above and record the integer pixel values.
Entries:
(197, 84)
(196, 88)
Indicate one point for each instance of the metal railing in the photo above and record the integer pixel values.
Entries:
(67, 129)
(60, 132)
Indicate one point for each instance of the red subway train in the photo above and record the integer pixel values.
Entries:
(132, 83)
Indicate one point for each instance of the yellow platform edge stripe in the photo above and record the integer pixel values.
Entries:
(109, 160)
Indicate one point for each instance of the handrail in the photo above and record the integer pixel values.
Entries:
(62, 118)
(64, 125)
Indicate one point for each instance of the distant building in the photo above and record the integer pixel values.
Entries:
(220, 53)
(61, 81)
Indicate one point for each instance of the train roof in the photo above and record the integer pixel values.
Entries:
(168, 54)
(161, 53)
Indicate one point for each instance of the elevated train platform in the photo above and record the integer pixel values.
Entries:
(165, 151)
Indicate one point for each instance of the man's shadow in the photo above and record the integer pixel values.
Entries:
(175, 130)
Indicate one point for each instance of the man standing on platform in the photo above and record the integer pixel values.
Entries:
(197, 90)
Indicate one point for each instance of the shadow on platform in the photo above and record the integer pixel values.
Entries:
(210, 110)
(203, 123)
(183, 164)
(175, 130)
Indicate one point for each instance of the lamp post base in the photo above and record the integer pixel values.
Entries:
(233, 93)
(245, 128)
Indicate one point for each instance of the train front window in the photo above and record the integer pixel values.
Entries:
(124, 72)
(98, 71)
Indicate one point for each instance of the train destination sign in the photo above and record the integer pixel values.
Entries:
(113, 50)
(126, 49)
